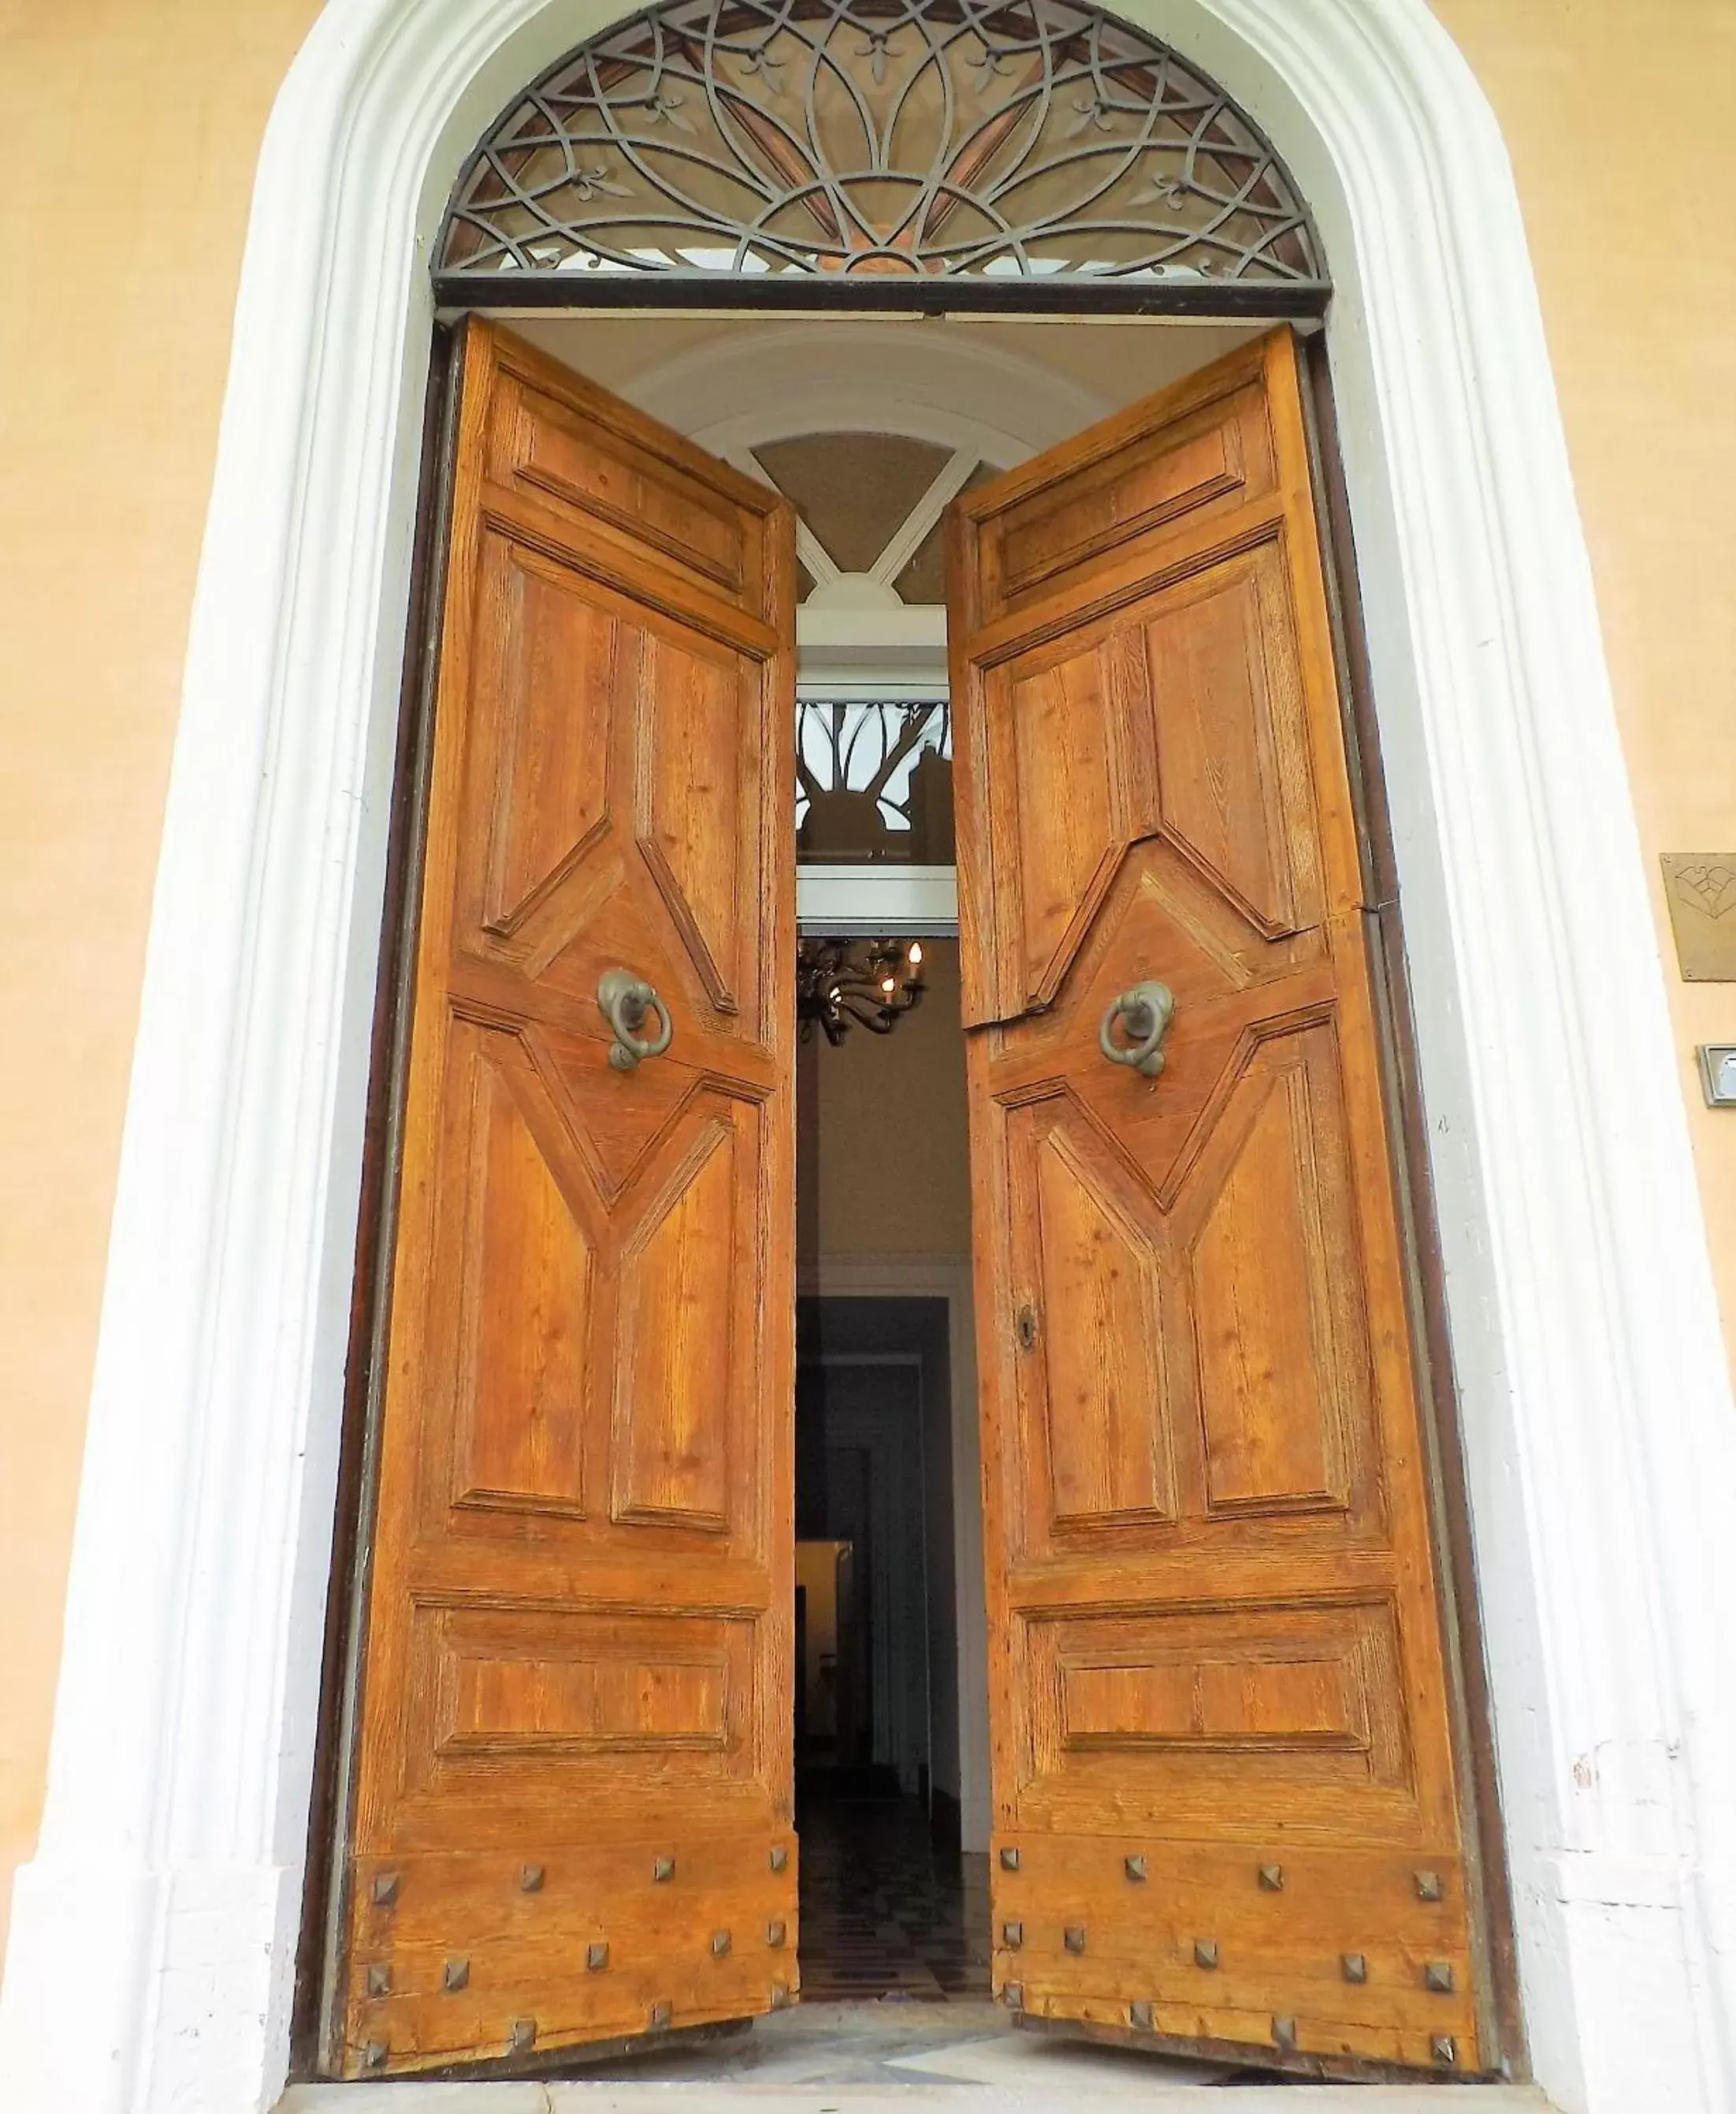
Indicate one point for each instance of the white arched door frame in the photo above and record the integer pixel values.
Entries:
(154, 1933)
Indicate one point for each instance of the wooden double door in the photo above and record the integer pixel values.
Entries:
(1228, 1798)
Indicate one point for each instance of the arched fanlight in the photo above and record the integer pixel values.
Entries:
(1035, 139)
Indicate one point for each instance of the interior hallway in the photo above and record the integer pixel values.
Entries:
(887, 1912)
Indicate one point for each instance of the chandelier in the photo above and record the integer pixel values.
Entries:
(842, 984)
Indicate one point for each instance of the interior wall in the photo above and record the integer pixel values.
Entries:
(816, 1580)
(869, 1328)
(116, 356)
(882, 1170)
(949, 1608)
(882, 1160)
(864, 1472)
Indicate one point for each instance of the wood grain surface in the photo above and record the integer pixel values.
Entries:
(571, 1811)
(1226, 1801)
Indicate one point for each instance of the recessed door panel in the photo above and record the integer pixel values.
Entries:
(556, 670)
(682, 1275)
(1273, 1288)
(1106, 1399)
(514, 1290)
(1233, 767)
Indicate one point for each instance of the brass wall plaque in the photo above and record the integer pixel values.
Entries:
(1700, 888)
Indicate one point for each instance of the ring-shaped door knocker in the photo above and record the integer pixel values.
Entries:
(1145, 1011)
(624, 1000)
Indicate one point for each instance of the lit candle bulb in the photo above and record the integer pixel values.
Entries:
(916, 953)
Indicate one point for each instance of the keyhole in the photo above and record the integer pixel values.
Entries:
(1027, 1326)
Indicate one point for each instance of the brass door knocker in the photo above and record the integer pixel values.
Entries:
(1146, 1012)
(624, 1001)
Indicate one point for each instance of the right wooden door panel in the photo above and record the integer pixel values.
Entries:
(1227, 1807)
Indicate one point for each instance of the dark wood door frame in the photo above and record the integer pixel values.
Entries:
(377, 1216)
(1485, 1840)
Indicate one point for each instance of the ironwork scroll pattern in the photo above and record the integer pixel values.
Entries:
(874, 780)
(993, 138)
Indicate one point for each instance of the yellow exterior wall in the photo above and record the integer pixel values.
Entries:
(1618, 118)
(132, 130)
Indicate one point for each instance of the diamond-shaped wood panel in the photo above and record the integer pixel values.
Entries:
(616, 1124)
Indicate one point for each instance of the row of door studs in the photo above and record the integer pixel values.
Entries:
(456, 1973)
(1443, 2049)
(532, 1878)
(522, 2035)
(1438, 1974)
(1270, 1877)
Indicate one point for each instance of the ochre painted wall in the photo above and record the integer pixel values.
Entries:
(132, 130)
(1620, 119)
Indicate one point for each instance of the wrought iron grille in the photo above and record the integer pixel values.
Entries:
(1009, 138)
(874, 781)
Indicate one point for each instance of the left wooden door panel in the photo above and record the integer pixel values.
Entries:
(570, 1793)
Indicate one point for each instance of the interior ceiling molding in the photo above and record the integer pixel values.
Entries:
(903, 650)
(846, 376)
(1601, 1434)
(941, 138)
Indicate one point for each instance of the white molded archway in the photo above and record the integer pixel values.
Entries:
(790, 379)
(846, 374)
(154, 1935)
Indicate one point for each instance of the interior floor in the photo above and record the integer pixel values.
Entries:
(887, 1910)
(910, 2043)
